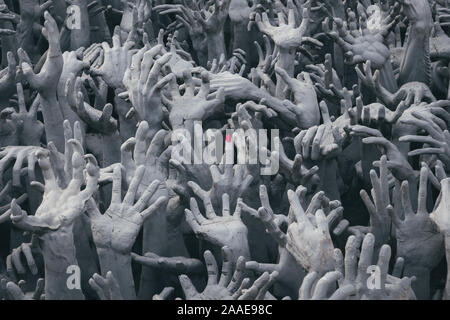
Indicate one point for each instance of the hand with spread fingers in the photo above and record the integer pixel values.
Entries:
(289, 271)
(369, 281)
(229, 286)
(54, 220)
(225, 230)
(318, 289)
(146, 140)
(15, 291)
(286, 35)
(418, 239)
(437, 142)
(307, 232)
(116, 61)
(107, 288)
(193, 105)
(144, 84)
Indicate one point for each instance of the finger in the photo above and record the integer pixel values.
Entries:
(273, 229)
(191, 221)
(264, 197)
(243, 287)
(26, 250)
(196, 211)
(315, 203)
(188, 288)
(398, 267)
(16, 261)
(307, 285)
(297, 208)
(134, 185)
(394, 217)
(227, 267)
(366, 255)
(14, 291)
(343, 293)
(31, 160)
(263, 291)
(383, 263)
(160, 202)
(307, 141)
(44, 163)
(145, 197)
(211, 267)
(350, 260)
(78, 135)
(316, 144)
(39, 290)
(21, 99)
(156, 70)
(10, 269)
(378, 192)
(190, 85)
(97, 289)
(322, 223)
(325, 284)
(368, 203)
(116, 193)
(92, 177)
(422, 195)
(238, 275)
(210, 214)
(77, 171)
(406, 201)
(165, 294)
(17, 169)
(338, 261)
(253, 291)
(324, 111)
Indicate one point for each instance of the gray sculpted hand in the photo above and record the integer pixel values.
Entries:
(119, 226)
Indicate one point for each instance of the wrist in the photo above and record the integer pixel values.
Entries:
(387, 77)
(240, 33)
(287, 63)
(256, 94)
(421, 286)
(175, 241)
(274, 103)
(106, 258)
(120, 266)
(447, 256)
(287, 60)
(216, 45)
(412, 269)
(58, 250)
(55, 54)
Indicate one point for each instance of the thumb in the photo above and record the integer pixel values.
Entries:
(14, 291)
(29, 74)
